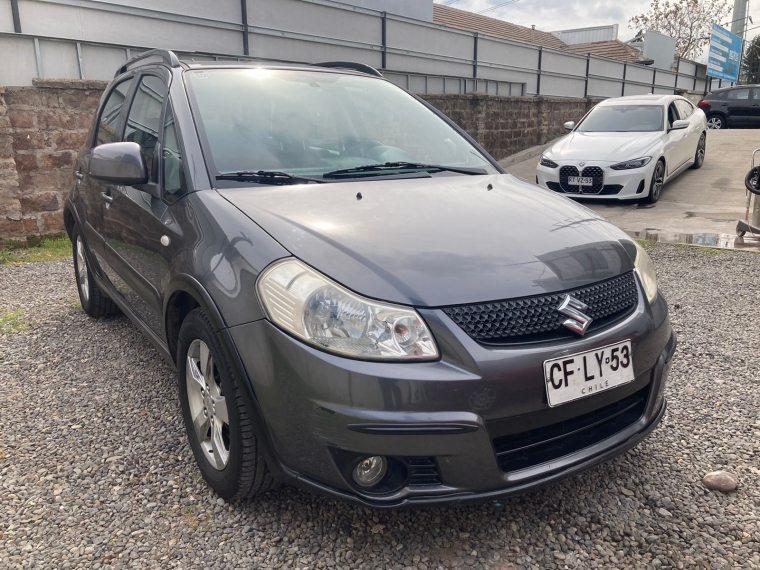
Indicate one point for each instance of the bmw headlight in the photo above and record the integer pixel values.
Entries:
(645, 269)
(548, 163)
(321, 312)
(631, 164)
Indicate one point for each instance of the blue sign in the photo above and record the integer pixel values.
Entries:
(725, 54)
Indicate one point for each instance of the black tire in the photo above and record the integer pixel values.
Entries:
(752, 180)
(716, 122)
(699, 157)
(245, 473)
(655, 186)
(94, 302)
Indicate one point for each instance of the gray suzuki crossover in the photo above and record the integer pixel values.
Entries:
(357, 299)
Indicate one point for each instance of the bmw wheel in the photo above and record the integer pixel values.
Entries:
(94, 302)
(716, 122)
(658, 178)
(218, 421)
(699, 157)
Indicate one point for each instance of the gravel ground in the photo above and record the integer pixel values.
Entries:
(95, 470)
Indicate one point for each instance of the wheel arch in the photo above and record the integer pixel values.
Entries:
(184, 294)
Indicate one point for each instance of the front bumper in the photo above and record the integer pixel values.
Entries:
(618, 184)
(319, 408)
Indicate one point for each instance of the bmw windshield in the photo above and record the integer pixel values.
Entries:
(312, 123)
(623, 119)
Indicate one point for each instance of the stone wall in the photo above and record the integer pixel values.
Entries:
(41, 130)
(508, 125)
(43, 127)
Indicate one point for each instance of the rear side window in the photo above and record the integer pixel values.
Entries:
(738, 95)
(109, 117)
(144, 120)
(685, 109)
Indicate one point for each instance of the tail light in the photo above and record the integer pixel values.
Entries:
(703, 104)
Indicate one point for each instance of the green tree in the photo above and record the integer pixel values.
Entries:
(688, 21)
(750, 72)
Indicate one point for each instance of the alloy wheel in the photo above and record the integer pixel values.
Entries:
(208, 405)
(714, 123)
(84, 282)
(657, 180)
(701, 150)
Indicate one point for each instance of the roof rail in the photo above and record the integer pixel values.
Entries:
(360, 67)
(169, 57)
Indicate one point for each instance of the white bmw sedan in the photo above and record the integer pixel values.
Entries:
(626, 148)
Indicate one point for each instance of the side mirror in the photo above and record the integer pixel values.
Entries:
(570, 125)
(679, 125)
(119, 163)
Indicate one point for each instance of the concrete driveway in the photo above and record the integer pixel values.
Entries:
(700, 207)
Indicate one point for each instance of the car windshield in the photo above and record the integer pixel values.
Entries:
(309, 123)
(623, 119)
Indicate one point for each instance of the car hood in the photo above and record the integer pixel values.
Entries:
(610, 147)
(440, 241)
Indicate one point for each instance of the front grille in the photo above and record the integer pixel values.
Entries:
(526, 449)
(423, 472)
(594, 172)
(535, 319)
(607, 189)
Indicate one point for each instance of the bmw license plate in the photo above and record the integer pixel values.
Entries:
(587, 373)
(580, 181)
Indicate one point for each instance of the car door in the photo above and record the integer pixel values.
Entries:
(90, 190)
(739, 107)
(693, 132)
(136, 221)
(753, 119)
(674, 141)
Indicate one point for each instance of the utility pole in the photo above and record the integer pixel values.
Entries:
(739, 25)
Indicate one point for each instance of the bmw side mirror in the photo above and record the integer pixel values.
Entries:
(570, 125)
(679, 125)
(119, 163)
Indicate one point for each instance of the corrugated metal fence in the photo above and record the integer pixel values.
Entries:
(91, 38)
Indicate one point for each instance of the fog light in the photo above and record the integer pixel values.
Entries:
(370, 471)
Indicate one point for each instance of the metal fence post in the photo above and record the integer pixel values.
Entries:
(244, 15)
(654, 79)
(384, 24)
(475, 57)
(538, 79)
(625, 72)
(16, 17)
(588, 68)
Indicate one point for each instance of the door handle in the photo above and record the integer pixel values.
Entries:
(107, 197)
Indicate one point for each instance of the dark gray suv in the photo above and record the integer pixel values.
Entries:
(356, 298)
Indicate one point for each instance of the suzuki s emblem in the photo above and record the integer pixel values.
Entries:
(581, 164)
(573, 309)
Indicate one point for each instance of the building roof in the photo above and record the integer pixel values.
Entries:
(614, 49)
(463, 20)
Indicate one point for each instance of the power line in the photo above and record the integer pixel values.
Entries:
(497, 6)
(449, 2)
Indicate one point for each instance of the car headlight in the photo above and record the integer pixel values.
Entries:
(631, 164)
(321, 312)
(547, 163)
(645, 269)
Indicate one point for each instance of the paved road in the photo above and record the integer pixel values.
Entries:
(700, 206)
(95, 470)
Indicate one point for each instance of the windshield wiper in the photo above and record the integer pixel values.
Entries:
(273, 177)
(382, 168)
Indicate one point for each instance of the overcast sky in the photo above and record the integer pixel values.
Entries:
(551, 15)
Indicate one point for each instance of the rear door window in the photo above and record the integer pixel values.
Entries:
(109, 116)
(685, 109)
(738, 95)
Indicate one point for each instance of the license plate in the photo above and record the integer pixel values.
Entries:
(580, 181)
(588, 373)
